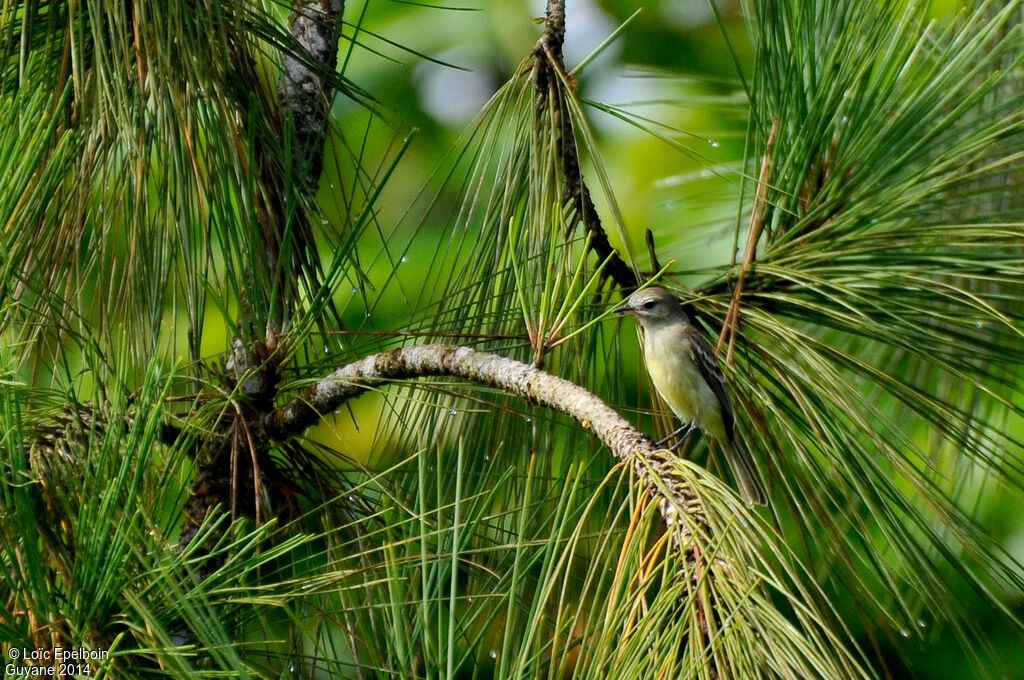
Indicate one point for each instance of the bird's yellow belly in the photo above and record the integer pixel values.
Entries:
(677, 379)
(681, 384)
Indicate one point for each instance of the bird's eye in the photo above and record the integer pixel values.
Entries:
(650, 304)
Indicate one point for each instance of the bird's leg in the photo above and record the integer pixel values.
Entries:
(684, 437)
(689, 428)
(670, 435)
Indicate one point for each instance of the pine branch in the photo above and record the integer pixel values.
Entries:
(303, 103)
(304, 97)
(303, 91)
(652, 465)
(549, 72)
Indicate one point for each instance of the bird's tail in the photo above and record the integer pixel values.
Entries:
(746, 474)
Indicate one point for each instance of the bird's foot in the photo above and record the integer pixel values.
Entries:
(685, 430)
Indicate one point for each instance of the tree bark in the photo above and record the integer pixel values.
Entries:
(302, 91)
(552, 86)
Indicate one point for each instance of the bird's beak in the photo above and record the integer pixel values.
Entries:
(623, 309)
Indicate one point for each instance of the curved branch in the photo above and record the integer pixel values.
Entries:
(652, 465)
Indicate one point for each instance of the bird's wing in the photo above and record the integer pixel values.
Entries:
(706, 361)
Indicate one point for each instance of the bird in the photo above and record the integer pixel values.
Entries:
(686, 374)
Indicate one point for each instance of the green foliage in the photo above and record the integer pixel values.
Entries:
(151, 216)
(885, 307)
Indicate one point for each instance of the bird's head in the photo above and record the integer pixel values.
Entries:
(652, 306)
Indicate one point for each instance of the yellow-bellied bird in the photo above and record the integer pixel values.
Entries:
(686, 374)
